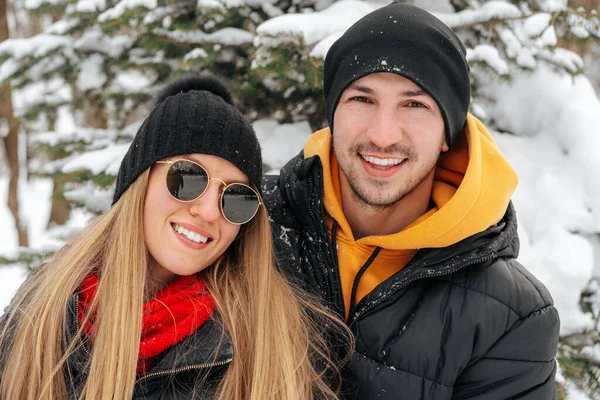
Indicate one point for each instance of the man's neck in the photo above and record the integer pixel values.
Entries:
(365, 220)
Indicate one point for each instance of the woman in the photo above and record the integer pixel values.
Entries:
(182, 260)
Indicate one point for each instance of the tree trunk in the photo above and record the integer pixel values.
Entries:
(94, 114)
(60, 211)
(11, 141)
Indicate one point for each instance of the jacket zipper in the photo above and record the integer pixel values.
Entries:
(189, 367)
(387, 295)
(83, 344)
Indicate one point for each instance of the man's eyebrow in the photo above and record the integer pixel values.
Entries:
(363, 89)
(414, 93)
(405, 93)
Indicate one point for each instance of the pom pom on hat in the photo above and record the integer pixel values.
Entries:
(195, 82)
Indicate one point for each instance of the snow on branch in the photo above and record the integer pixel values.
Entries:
(582, 24)
(86, 6)
(103, 161)
(228, 4)
(536, 24)
(133, 82)
(106, 160)
(94, 40)
(122, 6)
(41, 96)
(195, 54)
(490, 11)
(314, 26)
(564, 58)
(91, 197)
(36, 4)
(153, 16)
(85, 135)
(36, 47)
(490, 56)
(225, 36)
(210, 4)
(30, 59)
(9, 68)
(62, 26)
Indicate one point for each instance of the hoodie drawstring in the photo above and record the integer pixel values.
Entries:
(360, 272)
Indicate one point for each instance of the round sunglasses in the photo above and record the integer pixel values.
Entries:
(188, 180)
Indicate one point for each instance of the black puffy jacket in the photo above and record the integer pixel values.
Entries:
(461, 322)
(188, 370)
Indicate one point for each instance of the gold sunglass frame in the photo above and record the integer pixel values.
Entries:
(222, 191)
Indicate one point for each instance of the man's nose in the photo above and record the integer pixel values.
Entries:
(385, 128)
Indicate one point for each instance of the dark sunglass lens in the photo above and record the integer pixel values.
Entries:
(186, 180)
(239, 203)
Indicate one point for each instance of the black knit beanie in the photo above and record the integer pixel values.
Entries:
(410, 42)
(192, 115)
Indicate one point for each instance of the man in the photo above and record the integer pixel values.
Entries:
(399, 216)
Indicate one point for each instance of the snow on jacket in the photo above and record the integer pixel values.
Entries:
(461, 320)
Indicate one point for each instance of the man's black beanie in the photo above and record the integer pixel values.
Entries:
(410, 42)
(192, 115)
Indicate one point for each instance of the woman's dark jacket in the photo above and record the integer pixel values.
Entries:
(189, 369)
(461, 322)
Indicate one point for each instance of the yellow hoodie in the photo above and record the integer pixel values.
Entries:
(472, 187)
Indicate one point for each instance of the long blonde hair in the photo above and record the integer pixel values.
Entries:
(275, 329)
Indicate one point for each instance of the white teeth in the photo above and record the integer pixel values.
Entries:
(193, 236)
(383, 161)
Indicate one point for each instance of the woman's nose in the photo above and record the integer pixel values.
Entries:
(207, 206)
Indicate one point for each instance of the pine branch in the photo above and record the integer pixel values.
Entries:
(494, 20)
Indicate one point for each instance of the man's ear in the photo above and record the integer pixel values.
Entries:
(445, 146)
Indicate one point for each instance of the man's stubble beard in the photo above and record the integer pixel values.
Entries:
(367, 195)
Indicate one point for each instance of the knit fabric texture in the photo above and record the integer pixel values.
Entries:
(193, 115)
(410, 42)
(176, 312)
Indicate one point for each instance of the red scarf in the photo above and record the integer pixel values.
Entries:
(174, 313)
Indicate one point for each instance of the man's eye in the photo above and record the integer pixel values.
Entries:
(416, 104)
(361, 99)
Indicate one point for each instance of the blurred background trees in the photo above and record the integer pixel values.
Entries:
(78, 77)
